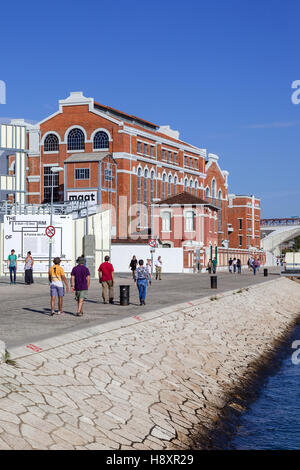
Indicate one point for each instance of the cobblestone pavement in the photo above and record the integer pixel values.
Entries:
(24, 310)
(141, 383)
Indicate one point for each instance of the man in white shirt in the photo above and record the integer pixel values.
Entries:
(158, 266)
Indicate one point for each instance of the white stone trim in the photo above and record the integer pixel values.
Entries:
(161, 140)
(34, 178)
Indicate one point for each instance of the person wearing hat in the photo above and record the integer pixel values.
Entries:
(80, 282)
(57, 281)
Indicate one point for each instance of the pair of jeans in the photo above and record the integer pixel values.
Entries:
(142, 287)
(254, 270)
(239, 269)
(12, 269)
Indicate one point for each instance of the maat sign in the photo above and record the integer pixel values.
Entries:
(90, 197)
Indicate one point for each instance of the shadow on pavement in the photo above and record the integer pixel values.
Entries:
(46, 311)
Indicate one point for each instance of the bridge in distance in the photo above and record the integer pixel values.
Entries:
(276, 231)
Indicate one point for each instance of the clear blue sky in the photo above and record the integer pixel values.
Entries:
(218, 71)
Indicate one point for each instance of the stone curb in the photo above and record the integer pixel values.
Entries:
(85, 333)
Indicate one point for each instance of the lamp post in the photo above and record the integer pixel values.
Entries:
(54, 169)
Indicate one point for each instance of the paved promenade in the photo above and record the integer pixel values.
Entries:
(24, 310)
(154, 381)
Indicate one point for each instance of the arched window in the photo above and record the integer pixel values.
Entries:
(196, 188)
(164, 186)
(207, 194)
(185, 184)
(166, 221)
(169, 185)
(213, 189)
(175, 184)
(101, 140)
(189, 218)
(191, 186)
(76, 139)
(152, 186)
(51, 143)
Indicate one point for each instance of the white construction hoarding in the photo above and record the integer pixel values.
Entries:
(121, 256)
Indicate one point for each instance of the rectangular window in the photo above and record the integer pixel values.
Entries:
(185, 161)
(50, 179)
(151, 150)
(189, 221)
(241, 240)
(139, 147)
(163, 154)
(240, 224)
(166, 222)
(145, 149)
(169, 157)
(175, 157)
(82, 173)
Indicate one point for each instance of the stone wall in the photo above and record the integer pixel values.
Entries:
(162, 380)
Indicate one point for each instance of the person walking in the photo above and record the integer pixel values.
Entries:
(12, 266)
(132, 265)
(158, 267)
(141, 281)
(230, 265)
(80, 283)
(239, 266)
(255, 265)
(209, 266)
(106, 278)
(214, 265)
(28, 266)
(234, 263)
(57, 279)
(149, 267)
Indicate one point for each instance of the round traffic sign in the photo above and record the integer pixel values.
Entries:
(50, 231)
(152, 243)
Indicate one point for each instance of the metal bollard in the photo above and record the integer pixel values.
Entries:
(213, 282)
(124, 295)
(265, 272)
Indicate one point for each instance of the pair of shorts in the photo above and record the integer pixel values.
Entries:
(56, 291)
(81, 294)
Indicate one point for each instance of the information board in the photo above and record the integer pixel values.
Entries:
(24, 233)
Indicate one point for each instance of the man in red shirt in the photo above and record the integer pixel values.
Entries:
(106, 278)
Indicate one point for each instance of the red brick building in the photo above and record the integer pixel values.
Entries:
(113, 157)
(244, 216)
